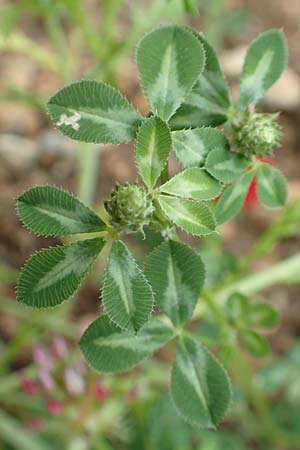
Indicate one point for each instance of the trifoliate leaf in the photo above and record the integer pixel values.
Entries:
(169, 60)
(200, 386)
(127, 296)
(193, 183)
(225, 165)
(264, 63)
(177, 283)
(192, 146)
(153, 146)
(233, 197)
(191, 216)
(109, 349)
(89, 111)
(262, 315)
(271, 187)
(50, 211)
(255, 343)
(53, 275)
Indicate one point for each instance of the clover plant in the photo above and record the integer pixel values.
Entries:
(188, 99)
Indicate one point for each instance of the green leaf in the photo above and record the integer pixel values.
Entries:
(193, 217)
(127, 296)
(211, 86)
(193, 183)
(271, 187)
(153, 146)
(264, 63)
(233, 198)
(53, 275)
(169, 61)
(209, 100)
(238, 306)
(51, 211)
(189, 115)
(262, 315)
(225, 165)
(177, 283)
(109, 349)
(89, 111)
(191, 7)
(255, 343)
(200, 387)
(192, 146)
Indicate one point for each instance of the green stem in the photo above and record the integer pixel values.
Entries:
(284, 272)
(88, 161)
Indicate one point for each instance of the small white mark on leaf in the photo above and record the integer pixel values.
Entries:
(72, 120)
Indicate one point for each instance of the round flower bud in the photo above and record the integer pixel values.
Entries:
(130, 207)
(256, 134)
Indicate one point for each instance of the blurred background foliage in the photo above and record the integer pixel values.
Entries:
(49, 398)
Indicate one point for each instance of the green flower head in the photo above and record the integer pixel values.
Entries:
(256, 134)
(130, 208)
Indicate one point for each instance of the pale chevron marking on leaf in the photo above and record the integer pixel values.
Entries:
(193, 183)
(75, 261)
(106, 115)
(225, 165)
(256, 78)
(153, 146)
(193, 217)
(53, 275)
(51, 211)
(200, 388)
(188, 369)
(177, 284)
(169, 60)
(122, 280)
(166, 82)
(127, 296)
(109, 349)
(264, 63)
(192, 146)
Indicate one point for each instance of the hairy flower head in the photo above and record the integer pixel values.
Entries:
(256, 134)
(130, 208)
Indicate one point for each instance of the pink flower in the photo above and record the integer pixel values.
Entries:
(46, 379)
(101, 391)
(73, 381)
(42, 357)
(28, 385)
(59, 346)
(54, 407)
